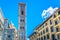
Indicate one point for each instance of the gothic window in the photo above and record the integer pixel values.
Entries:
(22, 13)
(21, 27)
(22, 20)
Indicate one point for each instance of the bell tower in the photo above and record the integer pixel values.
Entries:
(21, 22)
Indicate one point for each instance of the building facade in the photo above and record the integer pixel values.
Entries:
(21, 22)
(9, 32)
(15, 30)
(1, 25)
(49, 29)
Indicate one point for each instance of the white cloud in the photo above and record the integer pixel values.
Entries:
(48, 12)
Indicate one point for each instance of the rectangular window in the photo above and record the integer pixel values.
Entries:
(47, 36)
(52, 29)
(56, 22)
(58, 36)
(46, 29)
(44, 37)
(39, 34)
(57, 29)
(41, 38)
(58, 12)
(46, 24)
(50, 22)
(53, 37)
(43, 31)
(38, 38)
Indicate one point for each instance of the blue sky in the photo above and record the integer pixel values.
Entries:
(34, 9)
